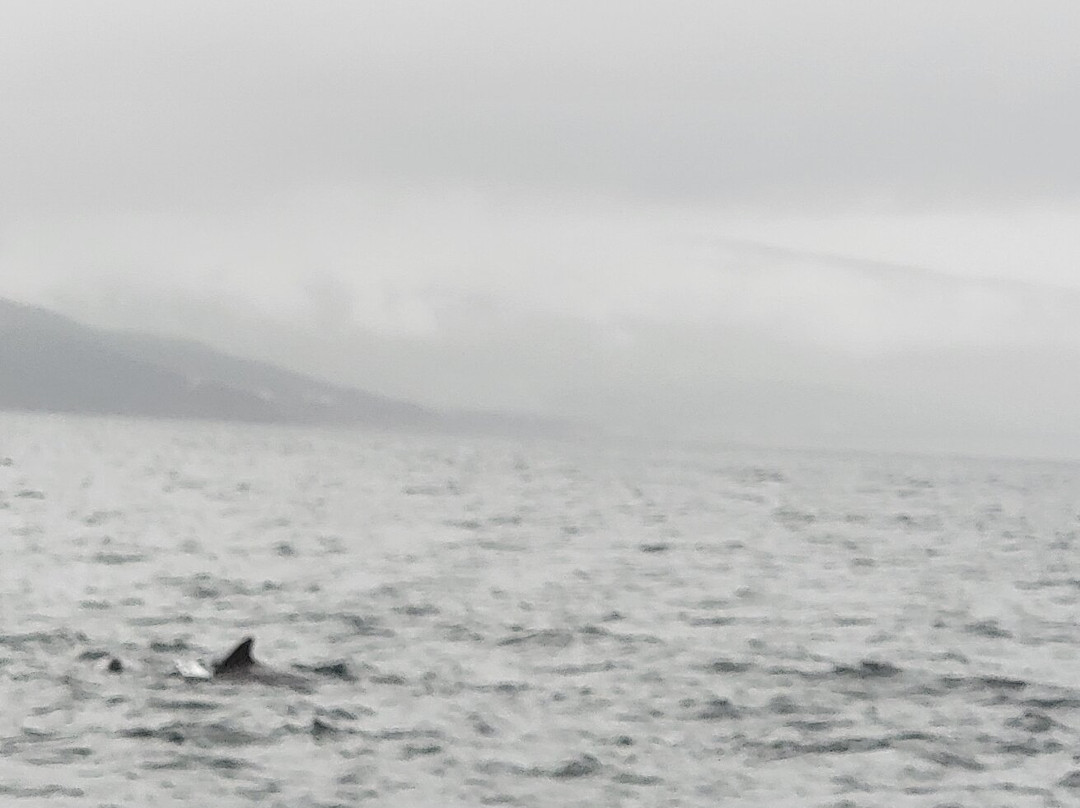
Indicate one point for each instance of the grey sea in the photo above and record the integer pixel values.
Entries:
(479, 621)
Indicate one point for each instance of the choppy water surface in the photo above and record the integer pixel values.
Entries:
(484, 622)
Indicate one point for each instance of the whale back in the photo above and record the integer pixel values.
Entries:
(240, 666)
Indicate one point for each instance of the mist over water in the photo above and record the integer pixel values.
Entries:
(765, 223)
(476, 621)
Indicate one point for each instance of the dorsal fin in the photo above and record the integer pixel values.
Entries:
(239, 660)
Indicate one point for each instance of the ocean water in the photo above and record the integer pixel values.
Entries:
(480, 621)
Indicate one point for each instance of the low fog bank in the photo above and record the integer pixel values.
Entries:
(762, 346)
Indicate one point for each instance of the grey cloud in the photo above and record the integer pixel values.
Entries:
(838, 103)
(411, 265)
(536, 206)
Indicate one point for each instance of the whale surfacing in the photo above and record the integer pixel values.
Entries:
(238, 662)
(241, 666)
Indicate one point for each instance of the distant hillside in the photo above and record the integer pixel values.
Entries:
(53, 364)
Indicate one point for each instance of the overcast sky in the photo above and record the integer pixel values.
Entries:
(872, 177)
